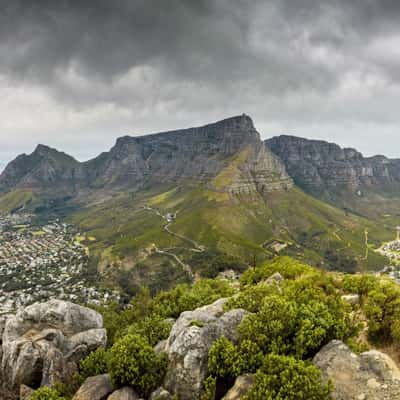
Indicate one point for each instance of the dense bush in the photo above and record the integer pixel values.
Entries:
(211, 262)
(153, 327)
(145, 313)
(133, 362)
(286, 266)
(283, 378)
(182, 298)
(382, 308)
(286, 326)
(46, 393)
(94, 364)
(227, 361)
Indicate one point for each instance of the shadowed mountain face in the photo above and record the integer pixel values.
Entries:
(198, 154)
(322, 167)
(45, 167)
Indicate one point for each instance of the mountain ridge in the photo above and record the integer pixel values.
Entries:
(199, 153)
(319, 166)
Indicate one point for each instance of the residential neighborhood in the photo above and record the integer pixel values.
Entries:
(39, 261)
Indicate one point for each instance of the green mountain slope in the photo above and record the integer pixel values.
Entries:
(132, 235)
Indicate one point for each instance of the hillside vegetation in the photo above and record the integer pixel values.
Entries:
(290, 318)
(129, 230)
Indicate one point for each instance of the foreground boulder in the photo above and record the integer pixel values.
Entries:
(242, 386)
(370, 376)
(188, 345)
(95, 388)
(43, 343)
(126, 393)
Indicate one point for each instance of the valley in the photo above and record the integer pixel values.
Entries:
(163, 207)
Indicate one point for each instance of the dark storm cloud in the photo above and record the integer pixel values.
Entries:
(310, 66)
(199, 40)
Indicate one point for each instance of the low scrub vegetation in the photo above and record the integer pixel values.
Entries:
(288, 323)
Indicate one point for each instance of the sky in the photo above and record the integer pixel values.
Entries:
(76, 75)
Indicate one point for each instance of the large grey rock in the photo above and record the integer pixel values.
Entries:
(370, 376)
(242, 386)
(352, 299)
(95, 388)
(160, 394)
(126, 393)
(188, 345)
(25, 392)
(42, 343)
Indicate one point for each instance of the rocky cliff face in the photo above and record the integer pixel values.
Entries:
(320, 166)
(45, 167)
(196, 154)
(43, 343)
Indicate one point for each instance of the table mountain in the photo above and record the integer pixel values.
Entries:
(195, 154)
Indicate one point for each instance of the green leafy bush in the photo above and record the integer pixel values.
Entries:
(283, 378)
(222, 358)
(154, 328)
(284, 325)
(94, 364)
(132, 361)
(184, 298)
(286, 266)
(382, 308)
(45, 393)
(210, 385)
(227, 361)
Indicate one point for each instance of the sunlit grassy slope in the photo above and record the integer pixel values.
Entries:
(243, 226)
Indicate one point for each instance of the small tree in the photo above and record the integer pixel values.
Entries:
(132, 361)
(282, 378)
(45, 393)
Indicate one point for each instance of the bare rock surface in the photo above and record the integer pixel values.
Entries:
(242, 386)
(369, 376)
(190, 340)
(42, 343)
(161, 394)
(126, 393)
(95, 388)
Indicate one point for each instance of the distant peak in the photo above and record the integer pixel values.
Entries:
(43, 149)
(243, 120)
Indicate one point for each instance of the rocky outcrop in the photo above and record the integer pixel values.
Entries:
(95, 388)
(242, 386)
(370, 376)
(43, 343)
(160, 394)
(188, 345)
(322, 167)
(195, 155)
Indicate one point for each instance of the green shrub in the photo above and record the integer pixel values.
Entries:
(184, 298)
(286, 266)
(382, 308)
(132, 361)
(210, 385)
(45, 393)
(227, 361)
(154, 328)
(94, 364)
(360, 284)
(287, 326)
(222, 358)
(283, 378)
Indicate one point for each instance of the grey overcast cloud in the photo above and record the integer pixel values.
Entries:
(77, 74)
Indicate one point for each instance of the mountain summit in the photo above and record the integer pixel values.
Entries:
(198, 154)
